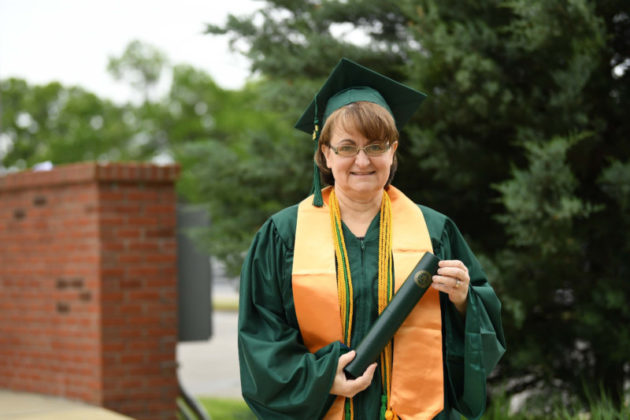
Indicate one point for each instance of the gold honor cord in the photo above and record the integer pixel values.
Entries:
(344, 283)
(385, 291)
(344, 278)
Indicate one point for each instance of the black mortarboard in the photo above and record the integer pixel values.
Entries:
(350, 82)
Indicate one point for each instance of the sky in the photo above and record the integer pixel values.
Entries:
(71, 40)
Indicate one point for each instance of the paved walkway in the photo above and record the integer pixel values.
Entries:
(210, 368)
(25, 406)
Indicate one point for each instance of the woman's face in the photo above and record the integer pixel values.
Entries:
(360, 176)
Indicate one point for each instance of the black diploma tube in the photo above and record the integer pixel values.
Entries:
(393, 316)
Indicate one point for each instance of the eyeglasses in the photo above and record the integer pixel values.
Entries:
(351, 150)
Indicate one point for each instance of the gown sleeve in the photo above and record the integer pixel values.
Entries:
(473, 345)
(280, 378)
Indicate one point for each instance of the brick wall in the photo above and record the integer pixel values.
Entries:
(88, 285)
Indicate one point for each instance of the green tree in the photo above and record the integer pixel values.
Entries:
(140, 65)
(65, 124)
(60, 124)
(523, 141)
(228, 143)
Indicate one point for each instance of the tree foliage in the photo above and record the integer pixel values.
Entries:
(523, 141)
(141, 65)
(238, 157)
(60, 124)
(64, 124)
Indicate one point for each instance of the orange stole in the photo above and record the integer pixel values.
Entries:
(417, 374)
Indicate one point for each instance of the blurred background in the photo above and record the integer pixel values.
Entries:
(523, 141)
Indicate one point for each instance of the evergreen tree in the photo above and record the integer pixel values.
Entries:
(522, 141)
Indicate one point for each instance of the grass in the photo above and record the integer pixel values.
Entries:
(227, 408)
(225, 305)
(599, 409)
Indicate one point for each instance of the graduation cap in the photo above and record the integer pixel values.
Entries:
(351, 82)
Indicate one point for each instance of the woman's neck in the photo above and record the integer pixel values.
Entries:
(357, 214)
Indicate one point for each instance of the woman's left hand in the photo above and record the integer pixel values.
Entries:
(452, 278)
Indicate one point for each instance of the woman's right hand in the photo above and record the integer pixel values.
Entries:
(350, 387)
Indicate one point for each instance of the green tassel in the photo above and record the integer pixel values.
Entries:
(317, 188)
(383, 406)
(347, 416)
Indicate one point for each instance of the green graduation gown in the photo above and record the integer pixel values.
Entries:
(281, 379)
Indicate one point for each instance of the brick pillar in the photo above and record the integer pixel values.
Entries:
(88, 285)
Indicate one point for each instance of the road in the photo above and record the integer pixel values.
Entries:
(210, 368)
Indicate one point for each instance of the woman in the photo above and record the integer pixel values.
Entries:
(318, 274)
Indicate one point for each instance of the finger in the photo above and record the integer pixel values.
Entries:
(453, 272)
(447, 281)
(448, 284)
(443, 288)
(455, 295)
(367, 375)
(363, 381)
(346, 358)
(369, 372)
(453, 263)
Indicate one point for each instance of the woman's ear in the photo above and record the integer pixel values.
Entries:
(326, 151)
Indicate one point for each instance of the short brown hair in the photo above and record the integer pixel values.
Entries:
(371, 120)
